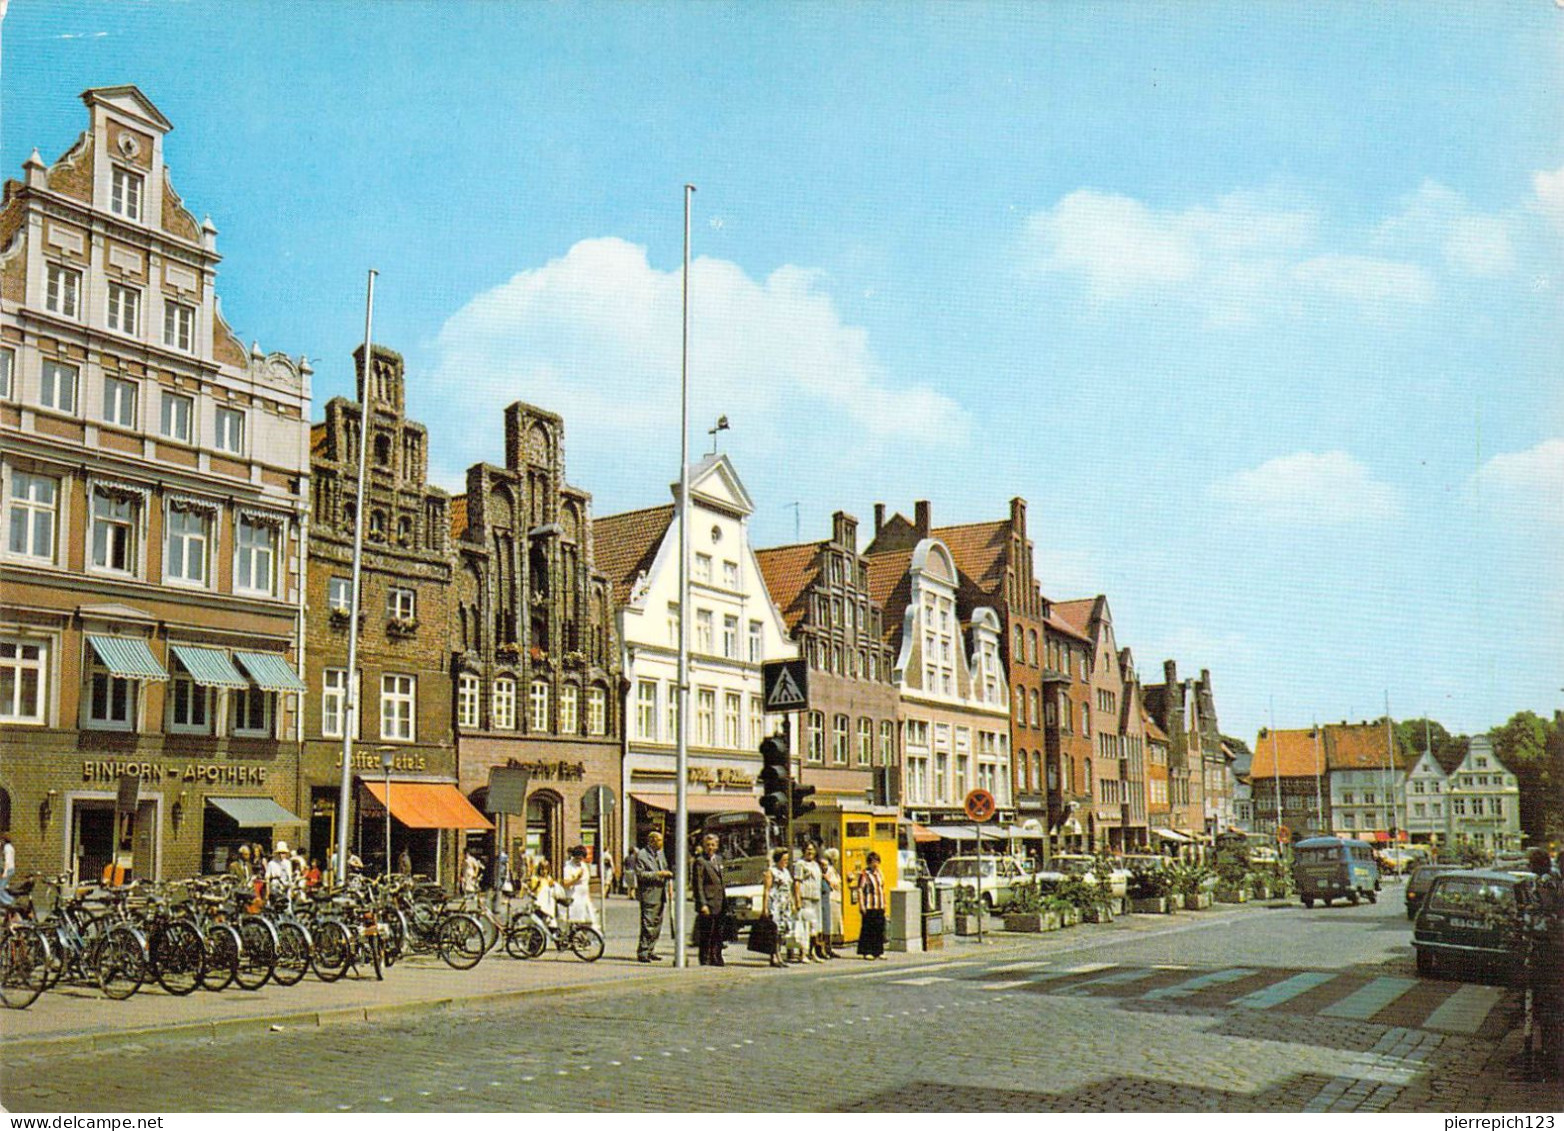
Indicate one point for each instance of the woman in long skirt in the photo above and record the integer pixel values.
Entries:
(830, 907)
(780, 896)
(871, 902)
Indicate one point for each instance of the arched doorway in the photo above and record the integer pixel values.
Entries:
(544, 831)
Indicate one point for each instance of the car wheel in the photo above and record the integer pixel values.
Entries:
(1373, 896)
(1308, 901)
(1427, 964)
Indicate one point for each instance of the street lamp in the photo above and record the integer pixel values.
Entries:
(386, 760)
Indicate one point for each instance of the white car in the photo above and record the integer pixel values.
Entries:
(1082, 866)
(1000, 874)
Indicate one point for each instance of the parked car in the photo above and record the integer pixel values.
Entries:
(1085, 868)
(1471, 925)
(1397, 860)
(1000, 875)
(1423, 879)
(1329, 868)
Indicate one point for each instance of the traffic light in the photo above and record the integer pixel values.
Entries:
(801, 804)
(774, 759)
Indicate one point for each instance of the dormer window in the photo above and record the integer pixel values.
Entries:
(125, 193)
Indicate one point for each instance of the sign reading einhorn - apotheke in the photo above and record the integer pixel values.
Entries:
(156, 773)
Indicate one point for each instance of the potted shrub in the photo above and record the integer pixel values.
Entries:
(1189, 884)
(1231, 881)
(1149, 890)
(1064, 913)
(1024, 912)
(968, 908)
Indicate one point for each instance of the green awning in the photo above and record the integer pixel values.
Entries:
(270, 671)
(255, 812)
(209, 667)
(127, 657)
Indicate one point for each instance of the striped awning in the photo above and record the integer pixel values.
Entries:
(209, 667)
(127, 657)
(255, 812)
(269, 671)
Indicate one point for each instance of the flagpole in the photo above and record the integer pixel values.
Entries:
(1276, 758)
(681, 824)
(350, 695)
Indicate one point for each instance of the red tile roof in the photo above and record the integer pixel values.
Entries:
(1294, 751)
(1361, 747)
(317, 438)
(626, 544)
(458, 516)
(789, 572)
(1354, 747)
(1063, 627)
(890, 587)
(1153, 731)
(1077, 614)
(980, 550)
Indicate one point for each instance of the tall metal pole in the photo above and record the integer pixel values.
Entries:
(1390, 776)
(681, 822)
(1319, 785)
(351, 693)
(1276, 757)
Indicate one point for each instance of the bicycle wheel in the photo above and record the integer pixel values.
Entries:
(257, 952)
(222, 957)
(55, 943)
(393, 927)
(491, 931)
(122, 962)
(177, 954)
(460, 942)
(293, 953)
(333, 949)
(525, 941)
(587, 942)
(24, 966)
(377, 951)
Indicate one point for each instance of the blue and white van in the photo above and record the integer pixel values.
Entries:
(1328, 868)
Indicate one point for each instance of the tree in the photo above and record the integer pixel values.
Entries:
(1448, 749)
(1527, 745)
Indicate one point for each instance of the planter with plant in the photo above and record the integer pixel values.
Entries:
(968, 908)
(1190, 885)
(1149, 889)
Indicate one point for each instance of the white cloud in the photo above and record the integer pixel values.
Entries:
(1549, 190)
(1309, 489)
(1118, 244)
(1365, 280)
(595, 335)
(1438, 221)
(1531, 481)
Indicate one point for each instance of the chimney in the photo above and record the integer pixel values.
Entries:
(921, 521)
(1018, 515)
(879, 518)
(1170, 673)
(844, 530)
(1205, 678)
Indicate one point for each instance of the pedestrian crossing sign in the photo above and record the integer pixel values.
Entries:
(785, 685)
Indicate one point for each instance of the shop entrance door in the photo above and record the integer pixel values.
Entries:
(542, 812)
(93, 836)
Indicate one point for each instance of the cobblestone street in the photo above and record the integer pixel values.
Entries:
(1265, 1009)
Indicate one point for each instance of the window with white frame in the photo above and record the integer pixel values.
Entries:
(178, 326)
(941, 776)
(252, 710)
(398, 704)
(57, 388)
(505, 703)
(887, 743)
(757, 721)
(124, 309)
(333, 702)
(815, 751)
(24, 680)
(119, 401)
(673, 624)
(7, 368)
(34, 502)
(865, 742)
(467, 687)
(125, 193)
(671, 699)
(230, 431)
(732, 720)
(569, 709)
(190, 704)
(188, 545)
(918, 780)
(730, 574)
(646, 709)
(706, 716)
(116, 520)
(537, 700)
(339, 594)
(62, 291)
(730, 637)
(178, 412)
(255, 556)
(1031, 706)
(703, 620)
(703, 567)
(111, 699)
(597, 711)
(756, 646)
(401, 603)
(839, 739)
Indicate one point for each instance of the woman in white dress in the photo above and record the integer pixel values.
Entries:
(542, 887)
(810, 889)
(830, 901)
(577, 881)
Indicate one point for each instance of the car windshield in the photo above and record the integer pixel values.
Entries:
(1321, 854)
(1074, 867)
(1460, 894)
(966, 868)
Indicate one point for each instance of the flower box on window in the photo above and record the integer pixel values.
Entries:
(402, 626)
(576, 659)
(507, 653)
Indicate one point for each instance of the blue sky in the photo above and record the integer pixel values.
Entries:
(1259, 306)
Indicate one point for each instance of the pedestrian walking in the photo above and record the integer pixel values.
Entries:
(711, 898)
(577, 881)
(404, 862)
(312, 876)
(7, 869)
(871, 904)
(650, 868)
(780, 898)
(472, 873)
(811, 890)
(605, 867)
(239, 866)
(830, 901)
(1545, 963)
(279, 871)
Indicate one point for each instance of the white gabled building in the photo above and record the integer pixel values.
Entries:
(1427, 787)
(734, 626)
(1484, 801)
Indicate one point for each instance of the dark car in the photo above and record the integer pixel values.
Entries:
(1471, 925)
(1422, 879)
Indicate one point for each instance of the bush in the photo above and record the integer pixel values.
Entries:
(1190, 879)
(1150, 883)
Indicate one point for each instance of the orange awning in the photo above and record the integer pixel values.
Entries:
(429, 805)
(921, 835)
(703, 802)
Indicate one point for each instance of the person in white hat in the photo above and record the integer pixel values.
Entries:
(279, 870)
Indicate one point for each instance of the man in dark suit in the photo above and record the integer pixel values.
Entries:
(651, 890)
(710, 897)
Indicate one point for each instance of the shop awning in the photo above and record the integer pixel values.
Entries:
(429, 805)
(271, 672)
(922, 835)
(959, 832)
(255, 812)
(1020, 832)
(209, 667)
(127, 657)
(702, 802)
(1169, 834)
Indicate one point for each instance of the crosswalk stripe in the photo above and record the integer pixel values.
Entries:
(1465, 1010)
(1011, 967)
(1365, 1001)
(1193, 986)
(1006, 985)
(1284, 990)
(1117, 978)
(928, 981)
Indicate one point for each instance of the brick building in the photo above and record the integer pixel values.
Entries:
(405, 612)
(153, 491)
(537, 664)
(1067, 695)
(1175, 706)
(849, 747)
